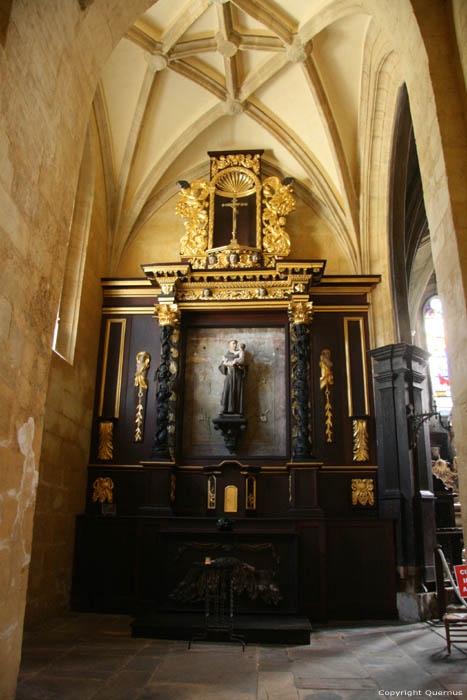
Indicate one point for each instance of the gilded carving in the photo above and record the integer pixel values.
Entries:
(245, 160)
(250, 485)
(301, 312)
(167, 314)
(363, 492)
(103, 490)
(192, 207)
(326, 380)
(360, 440)
(278, 202)
(211, 492)
(230, 499)
(142, 364)
(105, 448)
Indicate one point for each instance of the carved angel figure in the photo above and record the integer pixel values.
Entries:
(142, 363)
(327, 377)
(192, 208)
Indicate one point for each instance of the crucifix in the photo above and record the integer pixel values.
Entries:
(234, 205)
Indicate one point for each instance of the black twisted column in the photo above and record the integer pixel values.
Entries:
(166, 375)
(301, 314)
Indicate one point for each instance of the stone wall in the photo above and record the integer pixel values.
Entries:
(48, 72)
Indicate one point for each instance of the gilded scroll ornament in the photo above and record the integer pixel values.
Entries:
(326, 380)
(103, 490)
(278, 202)
(142, 364)
(245, 160)
(105, 448)
(301, 312)
(192, 207)
(167, 314)
(360, 440)
(363, 492)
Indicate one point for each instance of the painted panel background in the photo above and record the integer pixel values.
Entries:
(265, 391)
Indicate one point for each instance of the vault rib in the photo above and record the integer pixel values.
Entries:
(200, 77)
(105, 142)
(182, 22)
(327, 119)
(264, 13)
(129, 218)
(324, 190)
(133, 137)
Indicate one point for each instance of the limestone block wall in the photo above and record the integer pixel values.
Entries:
(66, 438)
(49, 65)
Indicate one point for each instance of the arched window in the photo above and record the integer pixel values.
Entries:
(436, 346)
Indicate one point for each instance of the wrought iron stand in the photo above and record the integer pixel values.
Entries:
(219, 602)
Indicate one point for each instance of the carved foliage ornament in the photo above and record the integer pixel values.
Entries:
(301, 312)
(245, 160)
(363, 492)
(143, 360)
(105, 448)
(192, 207)
(360, 440)
(278, 202)
(167, 314)
(326, 380)
(103, 490)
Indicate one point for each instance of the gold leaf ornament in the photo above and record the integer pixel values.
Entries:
(192, 207)
(278, 202)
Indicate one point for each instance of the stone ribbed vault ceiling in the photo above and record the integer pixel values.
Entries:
(198, 75)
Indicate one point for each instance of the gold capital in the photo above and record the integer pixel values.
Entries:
(167, 314)
(301, 312)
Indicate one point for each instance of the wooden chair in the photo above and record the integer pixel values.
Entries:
(454, 616)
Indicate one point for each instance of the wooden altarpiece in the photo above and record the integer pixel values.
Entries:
(287, 484)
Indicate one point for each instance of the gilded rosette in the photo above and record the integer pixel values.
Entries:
(192, 207)
(363, 492)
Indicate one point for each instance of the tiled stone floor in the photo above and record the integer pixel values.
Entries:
(84, 656)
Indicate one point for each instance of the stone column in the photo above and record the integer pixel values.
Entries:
(405, 479)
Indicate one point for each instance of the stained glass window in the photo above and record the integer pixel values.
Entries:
(436, 346)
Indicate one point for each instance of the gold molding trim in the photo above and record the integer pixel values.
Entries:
(360, 440)
(363, 492)
(143, 360)
(121, 321)
(105, 447)
(351, 467)
(103, 488)
(326, 380)
(110, 293)
(129, 310)
(364, 364)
